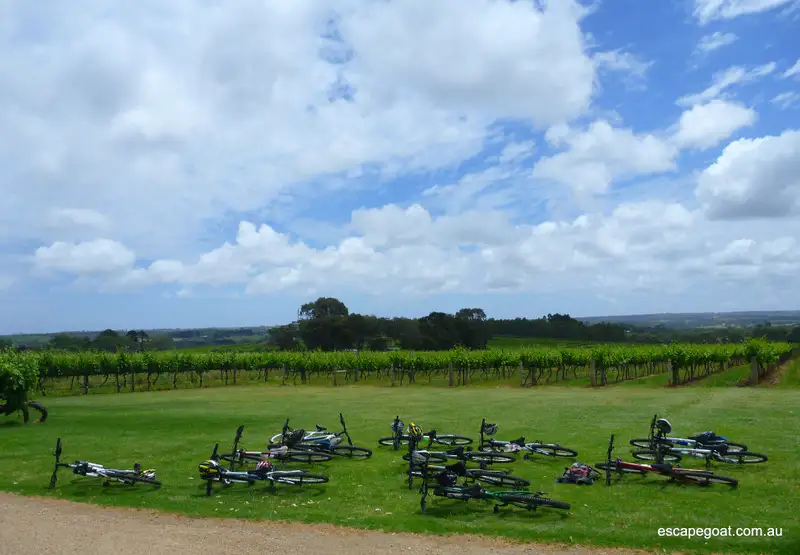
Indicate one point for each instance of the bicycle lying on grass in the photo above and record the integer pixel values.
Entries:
(703, 440)
(661, 446)
(461, 454)
(684, 475)
(491, 477)
(445, 485)
(399, 438)
(331, 442)
(282, 454)
(211, 471)
(489, 444)
(94, 470)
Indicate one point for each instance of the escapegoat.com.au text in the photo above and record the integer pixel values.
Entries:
(729, 531)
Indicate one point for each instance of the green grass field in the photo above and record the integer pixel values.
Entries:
(175, 430)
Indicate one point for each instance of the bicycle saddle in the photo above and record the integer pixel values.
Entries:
(321, 428)
(662, 467)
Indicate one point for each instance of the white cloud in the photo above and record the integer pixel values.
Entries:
(786, 99)
(723, 80)
(754, 178)
(792, 71)
(600, 154)
(715, 40)
(168, 117)
(626, 62)
(706, 125)
(91, 257)
(710, 10)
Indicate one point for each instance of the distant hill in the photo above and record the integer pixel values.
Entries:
(694, 320)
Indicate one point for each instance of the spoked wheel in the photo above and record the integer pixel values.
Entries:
(449, 439)
(531, 501)
(351, 451)
(553, 450)
(743, 457)
(650, 456)
(432, 456)
(488, 457)
(300, 479)
(308, 457)
(133, 479)
(497, 479)
(613, 468)
(735, 447)
(389, 441)
(641, 443)
(706, 478)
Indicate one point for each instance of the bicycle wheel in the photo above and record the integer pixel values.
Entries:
(133, 478)
(455, 492)
(488, 457)
(389, 441)
(307, 457)
(450, 439)
(40, 408)
(613, 467)
(650, 456)
(641, 443)
(743, 457)
(735, 447)
(533, 501)
(351, 451)
(434, 456)
(552, 450)
(705, 478)
(495, 479)
(297, 479)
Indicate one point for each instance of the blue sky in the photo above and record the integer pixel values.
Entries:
(187, 165)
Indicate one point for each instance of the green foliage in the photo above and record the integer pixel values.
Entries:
(19, 373)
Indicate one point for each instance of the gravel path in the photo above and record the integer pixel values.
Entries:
(37, 526)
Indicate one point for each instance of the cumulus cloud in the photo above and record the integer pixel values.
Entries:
(98, 256)
(707, 125)
(754, 178)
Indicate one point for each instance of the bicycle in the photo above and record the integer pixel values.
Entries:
(331, 443)
(399, 438)
(492, 445)
(660, 427)
(687, 476)
(94, 470)
(461, 454)
(282, 454)
(492, 477)
(211, 471)
(702, 440)
(446, 487)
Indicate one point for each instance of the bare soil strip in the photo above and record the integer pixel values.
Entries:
(37, 526)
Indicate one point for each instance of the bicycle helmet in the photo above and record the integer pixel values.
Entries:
(397, 426)
(414, 433)
(663, 425)
(209, 468)
(264, 466)
(419, 457)
(490, 429)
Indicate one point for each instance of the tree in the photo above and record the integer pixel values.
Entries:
(137, 337)
(473, 329)
(322, 307)
(19, 374)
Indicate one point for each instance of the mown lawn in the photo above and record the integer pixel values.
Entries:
(175, 430)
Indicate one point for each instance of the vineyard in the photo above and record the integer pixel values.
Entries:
(596, 366)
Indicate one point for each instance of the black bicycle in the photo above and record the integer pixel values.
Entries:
(462, 454)
(445, 485)
(491, 477)
(211, 471)
(94, 470)
(400, 437)
(282, 454)
(325, 442)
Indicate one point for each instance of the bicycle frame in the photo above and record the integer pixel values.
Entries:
(96, 470)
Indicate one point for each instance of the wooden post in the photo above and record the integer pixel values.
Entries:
(753, 371)
(593, 373)
(86, 384)
(452, 378)
(392, 374)
(334, 377)
(674, 373)
(521, 375)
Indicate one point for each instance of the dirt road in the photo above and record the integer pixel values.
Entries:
(38, 526)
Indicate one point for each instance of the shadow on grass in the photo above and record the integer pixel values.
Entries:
(281, 490)
(450, 508)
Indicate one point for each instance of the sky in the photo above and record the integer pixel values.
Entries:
(199, 163)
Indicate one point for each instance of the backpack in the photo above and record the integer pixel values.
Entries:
(579, 473)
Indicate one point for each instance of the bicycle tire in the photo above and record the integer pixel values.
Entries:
(450, 439)
(308, 457)
(506, 480)
(489, 457)
(737, 447)
(641, 443)
(298, 479)
(602, 466)
(737, 457)
(454, 492)
(705, 478)
(434, 456)
(647, 455)
(554, 450)
(389, 441)
(133, 478)
(529, 501)
(40, 408)
(351, 451)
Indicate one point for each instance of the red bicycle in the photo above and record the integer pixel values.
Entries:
(676, 473)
